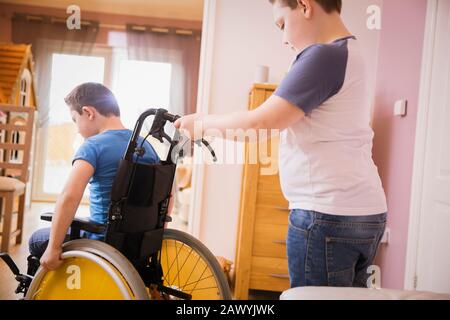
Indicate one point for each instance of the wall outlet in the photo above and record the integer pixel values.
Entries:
(386, 236)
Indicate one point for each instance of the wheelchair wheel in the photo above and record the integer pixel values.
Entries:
(91, 270)
(190, 267)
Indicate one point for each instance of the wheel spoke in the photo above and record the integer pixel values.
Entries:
(199, 280)
(182, 266)
(176, 257)
(192, 271)
(196, 273)
(200, 277)
(207, 288)
(177, 275)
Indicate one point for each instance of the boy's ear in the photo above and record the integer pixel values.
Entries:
(90, 112)
(306, 7)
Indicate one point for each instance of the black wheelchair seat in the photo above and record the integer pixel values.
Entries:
(78, 224)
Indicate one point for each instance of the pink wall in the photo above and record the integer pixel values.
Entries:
(398, 77)
(6, 11)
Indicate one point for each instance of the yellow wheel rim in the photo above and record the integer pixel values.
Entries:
(82, 277)
(185, 270)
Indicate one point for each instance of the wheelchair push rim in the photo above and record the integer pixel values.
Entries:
(187, 266)
(91, 270)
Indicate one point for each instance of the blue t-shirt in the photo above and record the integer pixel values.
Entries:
(104, 152)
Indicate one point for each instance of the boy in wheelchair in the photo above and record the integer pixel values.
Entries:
(128, 253)
(96, 114)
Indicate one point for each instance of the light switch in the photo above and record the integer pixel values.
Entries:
(400, 108)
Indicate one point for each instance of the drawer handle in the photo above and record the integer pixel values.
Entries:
(279, 276)
(279, 242)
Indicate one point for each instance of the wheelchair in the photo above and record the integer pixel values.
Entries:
(139, 259)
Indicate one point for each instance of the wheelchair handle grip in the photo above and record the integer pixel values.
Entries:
(157, 131)
(171, 117)
(208, 146)
(161, 115)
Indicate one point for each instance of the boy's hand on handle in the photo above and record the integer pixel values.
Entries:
(187, 125)
(51, 259)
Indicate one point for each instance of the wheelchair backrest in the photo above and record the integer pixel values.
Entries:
(139, 202)
(140, 194)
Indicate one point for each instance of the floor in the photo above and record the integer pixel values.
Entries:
(19, 253)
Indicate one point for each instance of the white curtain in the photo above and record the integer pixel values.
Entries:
(181, 51)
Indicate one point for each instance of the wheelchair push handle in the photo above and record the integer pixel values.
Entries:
(171, 117)
(157, 131)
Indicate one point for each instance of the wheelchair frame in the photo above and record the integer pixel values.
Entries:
(147, 238)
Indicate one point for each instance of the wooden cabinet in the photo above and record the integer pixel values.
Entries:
(261, 261)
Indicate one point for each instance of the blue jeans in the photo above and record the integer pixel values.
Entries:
(329, 250)
(39, 241)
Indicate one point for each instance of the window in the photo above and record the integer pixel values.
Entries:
(68, 71)
(140, 85)
(23, 92)
(137, 85)
(25, 85)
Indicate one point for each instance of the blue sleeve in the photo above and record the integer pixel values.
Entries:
(87, 152)
(316, 75)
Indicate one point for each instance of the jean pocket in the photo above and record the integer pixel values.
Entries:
(342, 278)
(342, 255)
(301, 220)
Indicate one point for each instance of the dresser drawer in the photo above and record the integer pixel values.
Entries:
(269, 183)
(269, 274)
(272, 215)
(268, 157)
(271, 199)
(270, 240)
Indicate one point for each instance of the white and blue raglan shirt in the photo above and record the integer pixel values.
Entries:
(326, 158)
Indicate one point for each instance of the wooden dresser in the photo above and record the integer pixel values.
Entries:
(261, 261)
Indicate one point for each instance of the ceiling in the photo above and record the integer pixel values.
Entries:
(173, 9)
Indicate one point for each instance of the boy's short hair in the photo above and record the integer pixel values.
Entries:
(95, 95)
(328, 5)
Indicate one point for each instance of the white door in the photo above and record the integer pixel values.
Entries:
(433, 255)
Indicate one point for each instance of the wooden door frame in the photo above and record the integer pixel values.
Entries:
(415, 215)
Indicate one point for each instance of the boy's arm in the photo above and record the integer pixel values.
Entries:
(274, 113)
(65, 210)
